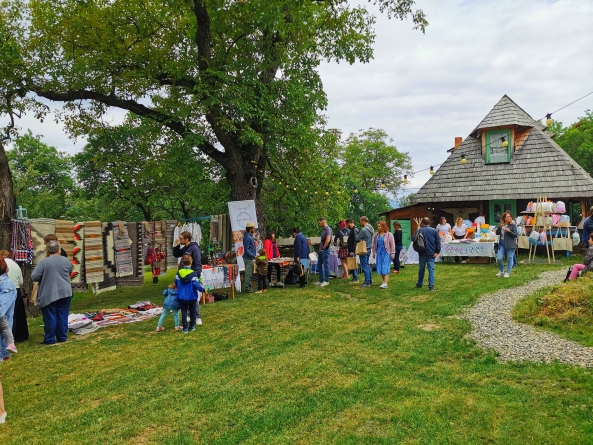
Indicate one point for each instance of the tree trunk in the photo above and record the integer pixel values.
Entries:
(7, 201)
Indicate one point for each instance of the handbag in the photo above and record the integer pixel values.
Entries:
(361, 247)
(34, 293)
(351, 262)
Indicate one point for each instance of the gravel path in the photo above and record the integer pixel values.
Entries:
(494, 328)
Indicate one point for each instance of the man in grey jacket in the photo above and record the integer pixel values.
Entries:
(366, 235)
(54, 293)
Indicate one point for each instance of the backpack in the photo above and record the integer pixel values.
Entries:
(560, 207)
(343, 239)
(418, 242)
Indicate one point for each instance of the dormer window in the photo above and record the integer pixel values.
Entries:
(496, 152)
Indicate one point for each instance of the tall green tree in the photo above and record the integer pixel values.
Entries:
(577, 141)
(151, 174)
(42, 177)
(236, 79)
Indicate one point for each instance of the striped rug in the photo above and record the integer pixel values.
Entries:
(171, 260)
(123, 251)
(93, 251)
(39, 228)
(65, 234)
(160, 240)
(77, 253)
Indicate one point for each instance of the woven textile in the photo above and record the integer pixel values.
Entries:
(21, 247)
(93, 252)
(77, 253)
(160, 240)
(135, 234)
(108, 282)
(123, 251)
(65, 233)
(171, 260)
(39, 228)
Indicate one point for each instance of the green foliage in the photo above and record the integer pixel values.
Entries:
(577, 141)
(235, 75)
(42, 177)
(138, 172)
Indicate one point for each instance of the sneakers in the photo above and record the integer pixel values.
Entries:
(3, 418)
(506, 275)
(11, 347)
(325, 283)
(431, 289)
(198, 322)
(499, 274)
(318, 283)
(383, 286)
(185, 331)
(260, 292)
(158, 329)
(354, 282)
(364, 285)
(193, 328)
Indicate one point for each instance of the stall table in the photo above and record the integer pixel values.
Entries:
(218, 277)
(471, 249)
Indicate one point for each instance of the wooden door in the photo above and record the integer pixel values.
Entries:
(406, 230)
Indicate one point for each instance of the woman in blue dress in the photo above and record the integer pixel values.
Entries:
(383, 251)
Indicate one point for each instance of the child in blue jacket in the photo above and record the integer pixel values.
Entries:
(170, 305)
(187, 293)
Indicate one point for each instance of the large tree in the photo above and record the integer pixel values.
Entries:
(236, 79)
(577, 140)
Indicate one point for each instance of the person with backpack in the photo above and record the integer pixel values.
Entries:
(587, 265)
(341, 240)
(366, 235)
(427, 243)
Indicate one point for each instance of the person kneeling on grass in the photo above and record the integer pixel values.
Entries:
(587, 262)
(261, 265)
(170, 305)
(187, 293)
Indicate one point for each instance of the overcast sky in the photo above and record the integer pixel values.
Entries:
(425, 89)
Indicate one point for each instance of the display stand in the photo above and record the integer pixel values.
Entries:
(540, 223)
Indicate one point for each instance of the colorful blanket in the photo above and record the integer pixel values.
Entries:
(93, 252)
(108, 270)
(65, 234)
(171, 260)
(39, 228)
(123, 250)
(77, 253)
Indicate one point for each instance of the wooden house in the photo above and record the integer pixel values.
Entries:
(508, 160)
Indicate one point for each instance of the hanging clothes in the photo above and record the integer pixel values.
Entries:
(21, 246)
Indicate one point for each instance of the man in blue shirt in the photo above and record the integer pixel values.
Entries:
(249, 254)
(323, 262)
(432, 244)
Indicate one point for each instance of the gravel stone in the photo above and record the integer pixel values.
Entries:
(494, 328)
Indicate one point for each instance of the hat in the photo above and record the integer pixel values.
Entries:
(249, 225)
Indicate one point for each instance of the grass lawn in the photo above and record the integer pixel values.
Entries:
(333, 365)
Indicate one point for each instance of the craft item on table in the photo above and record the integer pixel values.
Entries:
(21, 246)
(142, 306)
(560, 207)
(77, 252)
(93, 252)
(108, 283)
(123, 250)
(39, 228)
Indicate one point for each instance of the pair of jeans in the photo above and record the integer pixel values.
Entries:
(9, 313)
(166, 311)
(366, 268)
(55, 321)
(248, 273)
(396, 264)
(324, 265)
(191, 307)
(502, 252)
(261, 282)
(428, 262)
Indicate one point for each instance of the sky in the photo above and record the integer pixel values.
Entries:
(426, 89)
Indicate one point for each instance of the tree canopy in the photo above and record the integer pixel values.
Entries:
(237, 80)
(577, 140)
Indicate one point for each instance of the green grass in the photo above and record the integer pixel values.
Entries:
(336, 365)
(566, 309)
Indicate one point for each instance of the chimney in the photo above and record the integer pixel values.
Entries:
(458, 141)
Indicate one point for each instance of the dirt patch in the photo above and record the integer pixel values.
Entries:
(429, 327)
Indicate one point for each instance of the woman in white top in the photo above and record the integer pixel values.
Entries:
(459, 231)
(444, 226)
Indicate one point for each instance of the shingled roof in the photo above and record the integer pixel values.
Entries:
(538, 167)
(506, 113)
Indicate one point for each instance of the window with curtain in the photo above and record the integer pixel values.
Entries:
(495, 152)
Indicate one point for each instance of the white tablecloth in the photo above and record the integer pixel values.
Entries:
(468, 249)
